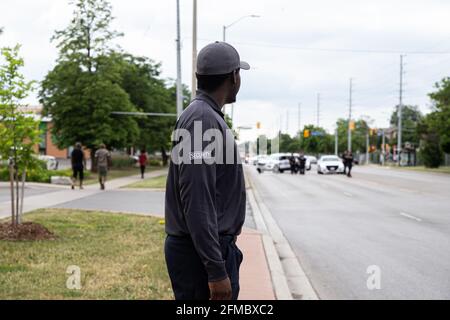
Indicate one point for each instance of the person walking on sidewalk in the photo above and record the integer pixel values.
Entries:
(103, 159)
(205, 192)
(143, 162)
(78, 164)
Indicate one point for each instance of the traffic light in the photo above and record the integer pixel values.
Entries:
(352, 125)
(306, 133)
(258, 125)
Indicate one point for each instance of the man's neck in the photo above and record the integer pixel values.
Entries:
(219, 97)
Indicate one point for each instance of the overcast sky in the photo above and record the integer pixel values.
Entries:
(296, 48)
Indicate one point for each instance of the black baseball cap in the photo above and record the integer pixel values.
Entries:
(219, 58)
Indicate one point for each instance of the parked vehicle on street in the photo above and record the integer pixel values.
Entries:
(255, 159)
(312, 159)
(330, 164)
(278, 163)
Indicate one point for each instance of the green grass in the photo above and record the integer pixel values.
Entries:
(153, 183)
(120, 257)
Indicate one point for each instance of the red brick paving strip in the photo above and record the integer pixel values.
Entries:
(255, 279)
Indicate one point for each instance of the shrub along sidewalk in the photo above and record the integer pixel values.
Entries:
(120, 256)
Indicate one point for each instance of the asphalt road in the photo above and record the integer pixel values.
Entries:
(337, 226)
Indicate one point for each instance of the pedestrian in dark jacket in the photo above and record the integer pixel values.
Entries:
(78, 164)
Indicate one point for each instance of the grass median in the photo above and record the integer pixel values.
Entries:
(120, 256)
(158, 182)
(443, 169)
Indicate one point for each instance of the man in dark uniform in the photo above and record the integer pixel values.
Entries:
(205, 193)
(302, 163)
(348, 160)
(292, 164)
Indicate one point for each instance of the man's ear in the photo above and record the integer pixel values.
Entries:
(234, 77)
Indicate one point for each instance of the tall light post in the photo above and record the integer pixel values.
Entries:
(194, 48)
(224, 35)
(179, 89)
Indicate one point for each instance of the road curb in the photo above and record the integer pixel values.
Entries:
(289, 279)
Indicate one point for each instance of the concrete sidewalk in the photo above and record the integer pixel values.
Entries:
(65, 194)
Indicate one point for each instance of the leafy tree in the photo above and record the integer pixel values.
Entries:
(317, 144)
(430, 148)
(440, 117)
(411, 116)
(84, 88)
(18, 130)
(358, 135)
(149, 93)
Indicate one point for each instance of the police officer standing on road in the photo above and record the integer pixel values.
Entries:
(302, 163)
(206, 200)
(292, 164)
(348, 162)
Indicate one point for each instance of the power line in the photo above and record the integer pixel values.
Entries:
(374, 51)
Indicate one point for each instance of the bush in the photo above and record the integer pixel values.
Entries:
(154, 162)
(431, 154)
(121, 162)
(41, 175)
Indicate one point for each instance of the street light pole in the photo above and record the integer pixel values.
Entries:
(224, 31)
(349, 133)
(194, 50)
(179, 89)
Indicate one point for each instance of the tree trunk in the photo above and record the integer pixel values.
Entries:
(22, 195)
(17, 194)
(93, 161)
(164, 156)
(11, 180)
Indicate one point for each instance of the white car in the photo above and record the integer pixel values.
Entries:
(312, 159)
(254, 160)
(278, 162)
(330, 164)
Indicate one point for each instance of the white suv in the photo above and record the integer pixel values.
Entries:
(278, 162)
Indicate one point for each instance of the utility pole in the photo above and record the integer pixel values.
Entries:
(350, 102)
(318, 110)
(383, 146)
(399, 114)
(299, 119)
(367, 147)
(287, 121)
(179, 89)
(194, 49)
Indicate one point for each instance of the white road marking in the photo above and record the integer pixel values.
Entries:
(348, 194)
(410, 216)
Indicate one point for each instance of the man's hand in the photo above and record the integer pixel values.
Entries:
(220, 290)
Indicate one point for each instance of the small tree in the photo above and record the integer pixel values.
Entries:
(18, 130)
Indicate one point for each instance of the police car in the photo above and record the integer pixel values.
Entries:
(277, 162)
